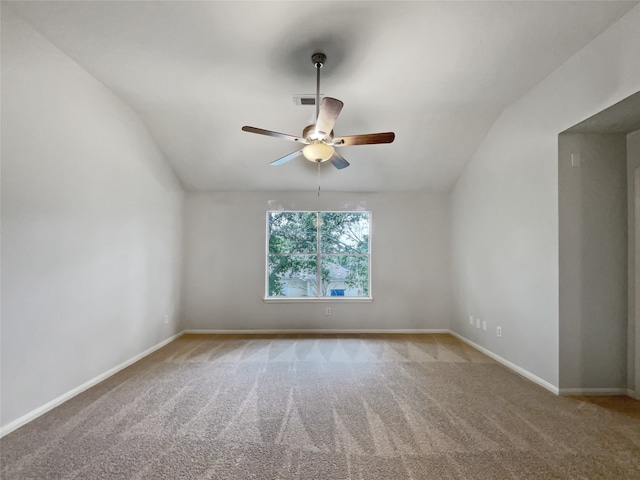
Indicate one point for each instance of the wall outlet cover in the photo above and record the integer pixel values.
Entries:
(576, 160)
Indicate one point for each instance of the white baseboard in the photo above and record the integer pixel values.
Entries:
(592, 391)
(511, 366)
(315, 330)
(10, 427)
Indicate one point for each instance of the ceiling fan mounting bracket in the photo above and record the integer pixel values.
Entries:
(318, 59)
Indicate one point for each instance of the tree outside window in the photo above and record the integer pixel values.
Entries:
(318, 254)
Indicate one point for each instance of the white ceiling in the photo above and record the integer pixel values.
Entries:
(436, 73)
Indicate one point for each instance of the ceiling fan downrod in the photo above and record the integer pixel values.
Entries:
(318, 60)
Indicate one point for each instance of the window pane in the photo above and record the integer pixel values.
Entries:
(345, 276)
(344, 232)
(292, 232)
(292, 276)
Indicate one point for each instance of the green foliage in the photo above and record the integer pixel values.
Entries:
(293, 245)
(359, 274)
(344, 232)
(292, 232)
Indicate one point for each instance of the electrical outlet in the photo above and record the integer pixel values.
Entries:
(471, 320)
(499, 331)
(166, 318)
(327, 311)
(484, 325)
(477, 323)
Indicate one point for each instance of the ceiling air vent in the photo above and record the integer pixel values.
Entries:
(305, 99)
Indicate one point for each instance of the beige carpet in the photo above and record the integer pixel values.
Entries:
(322, 407)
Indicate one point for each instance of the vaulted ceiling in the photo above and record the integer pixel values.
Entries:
(436, 73)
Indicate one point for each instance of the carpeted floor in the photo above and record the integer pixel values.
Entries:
(322, 407)
(616, 403)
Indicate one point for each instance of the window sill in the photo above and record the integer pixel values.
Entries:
(317, 299)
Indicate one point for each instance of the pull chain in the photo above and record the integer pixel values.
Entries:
(318, 179)
(318, 67)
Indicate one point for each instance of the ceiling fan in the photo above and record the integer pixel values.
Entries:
(318, 138)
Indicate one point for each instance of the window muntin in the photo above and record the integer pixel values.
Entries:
(318, 254)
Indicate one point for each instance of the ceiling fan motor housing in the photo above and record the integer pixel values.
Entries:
(309, 134)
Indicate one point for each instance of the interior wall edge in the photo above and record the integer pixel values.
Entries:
(510, 365)
(32, 415)
(5, 430)
(593, 263)
(91, 227)
(505, 202)
(410, 285)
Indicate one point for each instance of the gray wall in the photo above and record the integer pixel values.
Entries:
(633, 177)
(505, 204)
(593, 261)
(224, 280)
(91, 227)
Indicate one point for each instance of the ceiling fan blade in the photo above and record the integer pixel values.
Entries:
(338, 161)
(366, 139)
(286, 158)
(329, 110)
(270, 133)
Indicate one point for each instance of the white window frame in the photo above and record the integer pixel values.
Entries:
(319, 255)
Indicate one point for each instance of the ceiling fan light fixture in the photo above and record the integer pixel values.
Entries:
(318, 152)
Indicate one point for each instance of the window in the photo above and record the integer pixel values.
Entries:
(318, 254)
